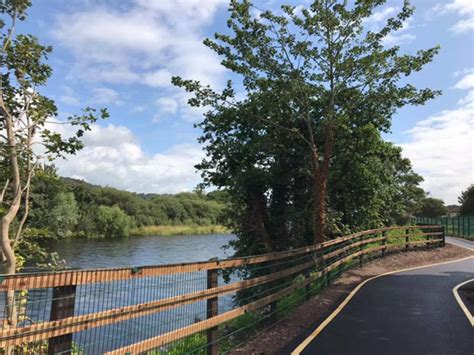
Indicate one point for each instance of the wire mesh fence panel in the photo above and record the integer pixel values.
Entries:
(180, 308)
(458, 226)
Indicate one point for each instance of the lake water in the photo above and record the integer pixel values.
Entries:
(140, 251)
(136, 251)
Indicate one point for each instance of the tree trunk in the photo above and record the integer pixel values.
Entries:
(319, 197)
(6, 220)
(320, 178)
(260, 207)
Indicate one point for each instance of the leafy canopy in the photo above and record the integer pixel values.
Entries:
(467, 202)
(316, 91)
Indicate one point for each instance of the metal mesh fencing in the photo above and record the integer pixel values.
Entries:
(180, 308)
(459, 226)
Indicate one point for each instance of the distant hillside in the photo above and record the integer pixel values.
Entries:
(66, 207)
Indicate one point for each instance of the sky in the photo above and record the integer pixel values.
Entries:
(122, 54)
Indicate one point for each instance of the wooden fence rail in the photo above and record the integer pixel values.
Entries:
(97, 311)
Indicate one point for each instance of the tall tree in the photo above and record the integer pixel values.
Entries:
(467, 202)
(308, 75)
(24, 117)
(370, 183)
(431, 207)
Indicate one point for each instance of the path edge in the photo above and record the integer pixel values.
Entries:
(320, 328)
(464, 308)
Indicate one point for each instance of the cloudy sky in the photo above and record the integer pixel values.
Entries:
(121, 55)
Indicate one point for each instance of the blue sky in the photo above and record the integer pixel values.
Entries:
(121, 55)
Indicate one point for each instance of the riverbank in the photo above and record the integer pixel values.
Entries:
(173, 230)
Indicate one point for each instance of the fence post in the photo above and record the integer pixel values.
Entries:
(308, 286)
(361, 260)
(468, 226)
(443, 230)
(459, 227)
(407, 239)
(62, 306)
(384, 242)
(212, 311)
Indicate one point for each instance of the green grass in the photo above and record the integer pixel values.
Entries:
(231, 334)
(172, 230)
(398, 236)
(195, 344)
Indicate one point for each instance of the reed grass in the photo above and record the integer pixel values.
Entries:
(173, 230)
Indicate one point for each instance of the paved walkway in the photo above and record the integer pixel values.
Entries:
(464, 243)
(410, 312)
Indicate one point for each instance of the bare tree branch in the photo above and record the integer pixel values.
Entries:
(2, 196)
(10, 32)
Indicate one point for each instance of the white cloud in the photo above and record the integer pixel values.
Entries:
(146, 43)
(463, 72)
(103, 73)
(464, 25)
(393, 39)
(467, 82)
(167, 104)
(381, 15)
(196, 11)
(112, 156)
(158, 78)
(464, 8)
(138, 108)
(104, 95)
(467, 100)
(441, 148)
(68, 97)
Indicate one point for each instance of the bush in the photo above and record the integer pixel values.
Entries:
(112, 222)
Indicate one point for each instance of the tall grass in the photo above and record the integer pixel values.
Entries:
(172, 230)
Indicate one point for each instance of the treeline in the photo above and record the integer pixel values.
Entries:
(65, 208)
(434, 207)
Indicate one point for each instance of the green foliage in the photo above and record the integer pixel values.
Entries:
(467, 202)
(319, 90)
(64, 216)
(64, 207)
(25, 115)
(195, 344)
(370, 183)
(431, 207)
(112, 222)
(171, 230)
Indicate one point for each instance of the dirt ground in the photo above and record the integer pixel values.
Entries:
(272, 339)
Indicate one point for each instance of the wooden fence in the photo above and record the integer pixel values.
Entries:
(137, 310)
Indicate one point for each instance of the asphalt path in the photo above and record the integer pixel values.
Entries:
(409, 312)
(464, 243)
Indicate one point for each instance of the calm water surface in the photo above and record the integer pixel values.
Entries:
(140, 251)
(136, 251)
